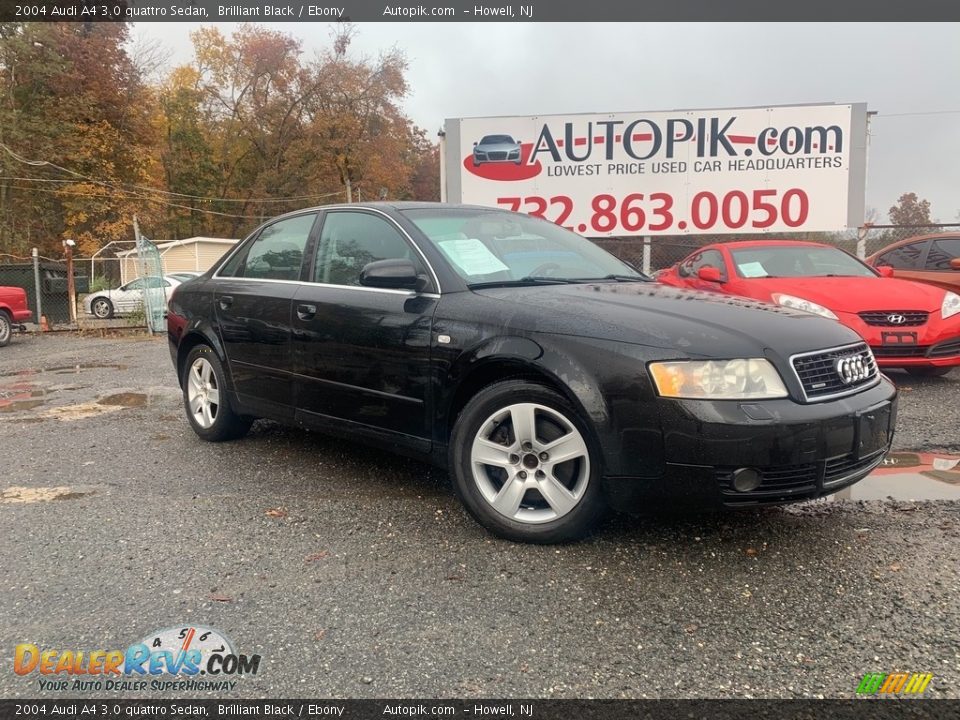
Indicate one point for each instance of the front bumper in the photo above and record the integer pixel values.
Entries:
(936, 343)
(802, 451)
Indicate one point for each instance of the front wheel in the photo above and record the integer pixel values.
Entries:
(205, 398)
(525, 466)
(928, 371)
(6, 328)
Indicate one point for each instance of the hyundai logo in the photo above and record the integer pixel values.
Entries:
(896, 319)
(852, 369)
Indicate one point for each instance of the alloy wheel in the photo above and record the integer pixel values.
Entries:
(530, 463)
(203, 395)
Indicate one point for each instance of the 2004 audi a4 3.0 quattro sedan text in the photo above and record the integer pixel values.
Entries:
(552, 379)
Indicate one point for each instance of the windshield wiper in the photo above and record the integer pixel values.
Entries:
(528, 280)
(618, 278)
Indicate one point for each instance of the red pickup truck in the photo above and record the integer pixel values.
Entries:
(13, 312)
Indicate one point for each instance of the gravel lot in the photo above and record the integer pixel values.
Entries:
(368, 580)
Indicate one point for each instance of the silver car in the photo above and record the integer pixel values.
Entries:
(496, 149)
(126, 298)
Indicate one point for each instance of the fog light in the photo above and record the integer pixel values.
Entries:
(746, 479)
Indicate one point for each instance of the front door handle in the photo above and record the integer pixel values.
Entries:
(306, 312)
(225, 301)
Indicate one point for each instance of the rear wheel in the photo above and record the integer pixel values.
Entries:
(205, 398)
(524, 464)
(928, 371)
(6, 328)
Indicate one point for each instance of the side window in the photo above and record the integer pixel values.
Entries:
(905, 257)
(134, 284)
(349, 240)
(942, 252)
(711, 258)
(154, 282)
(686, 267)
(276, 254)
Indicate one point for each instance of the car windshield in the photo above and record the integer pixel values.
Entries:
(496, 140)
(784, 261)
(497, 247)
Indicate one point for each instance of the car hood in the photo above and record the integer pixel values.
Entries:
(697, 324)
(854, 294)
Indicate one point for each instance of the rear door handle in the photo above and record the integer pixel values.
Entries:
(306, 312)
(225, 301)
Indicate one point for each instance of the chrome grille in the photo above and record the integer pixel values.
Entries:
(894, 318)
(820, 377)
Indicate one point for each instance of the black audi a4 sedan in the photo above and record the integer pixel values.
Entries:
(553, 380)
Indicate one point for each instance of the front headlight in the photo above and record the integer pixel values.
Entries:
(951, 305)
(752, 379)
(792, 301)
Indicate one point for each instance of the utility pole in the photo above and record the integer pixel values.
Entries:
(71, 292)
(36, 287)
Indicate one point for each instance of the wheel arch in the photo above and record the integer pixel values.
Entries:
(198, 336)
(524, 359)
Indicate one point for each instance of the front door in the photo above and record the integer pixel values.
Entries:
(363, 354)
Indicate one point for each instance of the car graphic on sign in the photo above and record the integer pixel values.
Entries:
(496, 149)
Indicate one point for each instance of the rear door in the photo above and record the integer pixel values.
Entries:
(253, 299)
(363, 354)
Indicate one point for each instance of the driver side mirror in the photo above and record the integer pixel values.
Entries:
(885, 271)
(955, 264)
(709, 274)
(395, 274)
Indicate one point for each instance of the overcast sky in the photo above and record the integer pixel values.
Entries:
(480, 69)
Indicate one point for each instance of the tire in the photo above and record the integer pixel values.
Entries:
(102, 308)
(928, 371)
(6, 328)
(205, 398)
(539, 502)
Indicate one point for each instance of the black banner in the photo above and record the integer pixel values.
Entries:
(472, 10)
(861, 709)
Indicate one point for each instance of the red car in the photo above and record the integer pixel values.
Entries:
(13, 311)
(908, 325)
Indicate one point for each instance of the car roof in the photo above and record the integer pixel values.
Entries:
(734, 244)
(395, 205)
(916, 238)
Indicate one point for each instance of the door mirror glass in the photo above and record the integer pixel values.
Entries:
(395, 274)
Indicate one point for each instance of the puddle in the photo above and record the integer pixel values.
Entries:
(65, 369)
(126, 399)
(909, 476)
(18, 405)
(20, 396)
(23, 495)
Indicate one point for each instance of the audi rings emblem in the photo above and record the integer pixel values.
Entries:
(896, 319)
(852, 369)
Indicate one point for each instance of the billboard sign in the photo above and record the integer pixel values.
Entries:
(741, 170)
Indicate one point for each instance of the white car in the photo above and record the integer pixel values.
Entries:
(126, 298)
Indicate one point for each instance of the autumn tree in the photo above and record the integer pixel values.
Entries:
(76, 119)
(910, 210)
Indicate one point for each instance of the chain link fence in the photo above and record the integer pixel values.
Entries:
(659, 252)
(57, 303)
(61, 292)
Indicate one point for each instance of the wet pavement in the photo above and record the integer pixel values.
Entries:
(356, 574)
